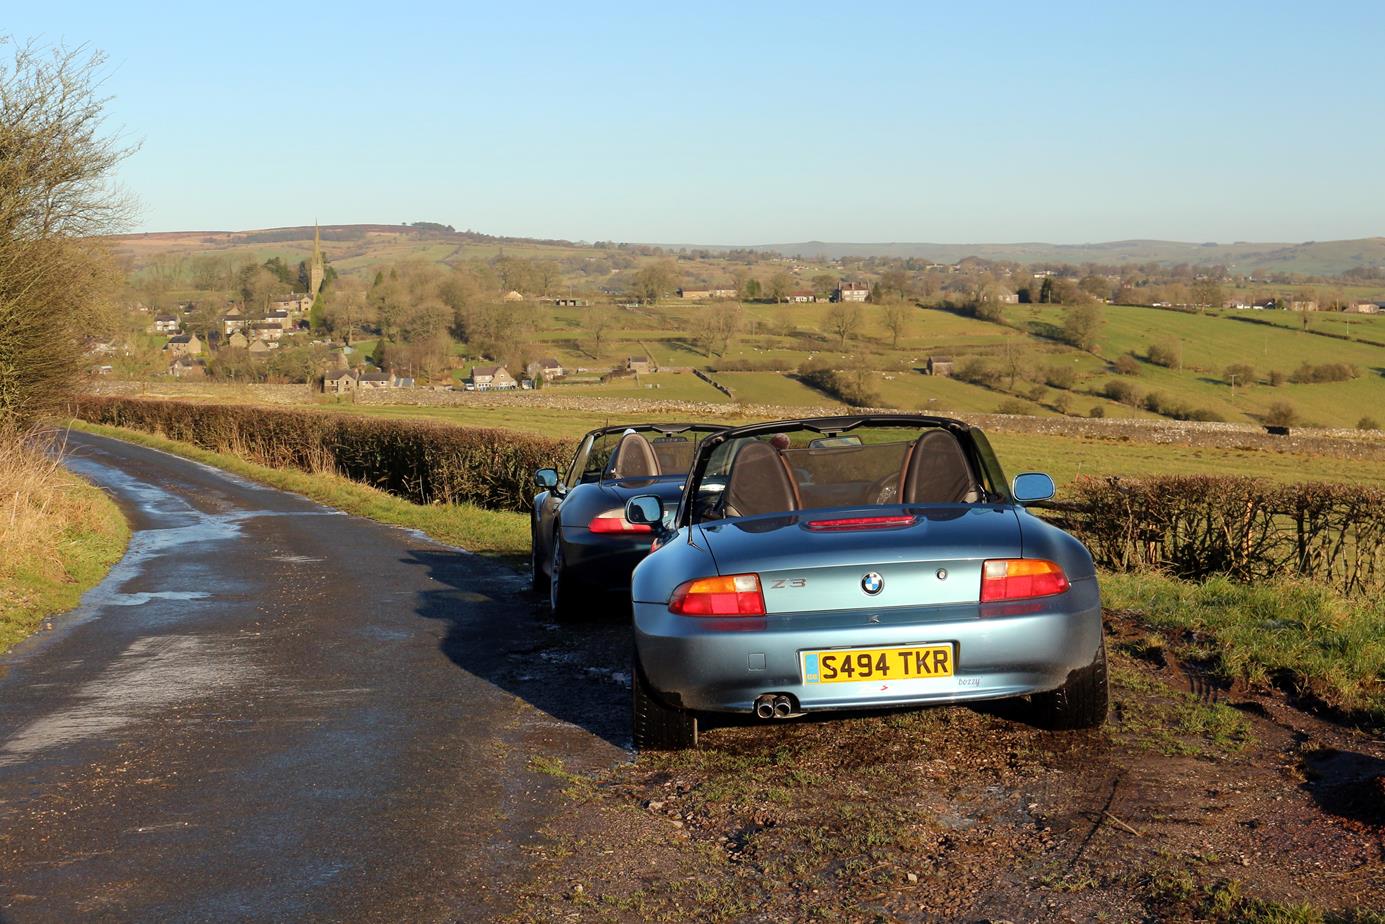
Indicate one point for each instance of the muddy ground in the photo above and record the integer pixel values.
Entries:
(1193, 803)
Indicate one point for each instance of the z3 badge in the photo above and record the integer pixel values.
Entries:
(782, 583)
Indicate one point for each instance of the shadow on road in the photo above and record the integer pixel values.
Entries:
(575, 673)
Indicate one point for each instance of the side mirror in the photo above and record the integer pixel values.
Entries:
(1031, 487)
(645, 510)
(546, 478)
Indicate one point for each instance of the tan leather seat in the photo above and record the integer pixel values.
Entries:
(633, 458)
(936, 471)
(760, 482)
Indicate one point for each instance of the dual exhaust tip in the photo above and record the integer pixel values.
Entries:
(773, 706)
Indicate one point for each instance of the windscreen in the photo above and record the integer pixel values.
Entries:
(805, 470)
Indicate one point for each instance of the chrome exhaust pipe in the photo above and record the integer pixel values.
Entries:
(764, 707)
(783, 707)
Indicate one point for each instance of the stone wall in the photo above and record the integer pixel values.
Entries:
(1336, 443)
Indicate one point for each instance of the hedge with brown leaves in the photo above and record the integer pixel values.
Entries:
(1195, 526)
(423, 461)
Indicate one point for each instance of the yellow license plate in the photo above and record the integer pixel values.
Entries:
(855, 665)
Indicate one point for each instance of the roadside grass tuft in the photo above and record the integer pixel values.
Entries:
(60, 536)
(1286, 632)
(1182, 892)
(501, 535)
(1174, 722)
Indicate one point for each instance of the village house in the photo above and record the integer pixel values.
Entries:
(800, 296)
(851, 292)
(298, 303)
(233, 321)
(1303, 304)
(513, 296)
(186, 367)
(491, 378)
(1364, 307)
(280, 317)
(183, 345)
(402, 381)
(258, 347)
(548, 367)
(373, 379)
(269, 331)
(570, 302)
(640, 365)
(940, 365)
(339, 382)
(237, 341)
(1006, 296)
(694, 292)
(1238, 304)
(1263, 304)
(165, 324)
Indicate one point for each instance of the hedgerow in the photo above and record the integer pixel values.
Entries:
(1196, 526)
(422, 461)
(1190, 526)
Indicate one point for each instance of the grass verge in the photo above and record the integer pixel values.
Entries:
(1288, 633)
(496, 534)
(60, 534)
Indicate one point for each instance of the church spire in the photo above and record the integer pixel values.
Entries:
(316, 271)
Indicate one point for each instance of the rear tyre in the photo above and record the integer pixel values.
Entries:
(655, 726)
(537, 577)
(1079, 703)
(564, 597)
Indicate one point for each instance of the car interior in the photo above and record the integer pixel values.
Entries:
(767, 476)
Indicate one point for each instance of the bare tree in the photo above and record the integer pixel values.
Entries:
(599, 322)
(56, 197)
(896, 318)
(843, 319)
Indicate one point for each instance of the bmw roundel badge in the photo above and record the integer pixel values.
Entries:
(872, 583)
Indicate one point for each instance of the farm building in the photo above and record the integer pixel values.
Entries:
(800, 296)
(851, 292)
(706, 292)
(940, 365)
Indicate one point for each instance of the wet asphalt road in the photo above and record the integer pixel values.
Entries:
(273, 711)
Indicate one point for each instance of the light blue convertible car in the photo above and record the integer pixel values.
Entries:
(858, 562)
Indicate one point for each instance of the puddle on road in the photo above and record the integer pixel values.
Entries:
(148, 677)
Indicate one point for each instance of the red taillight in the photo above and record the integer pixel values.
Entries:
(733, 595)
(850, 523)
(613, 521)
(1020, 579)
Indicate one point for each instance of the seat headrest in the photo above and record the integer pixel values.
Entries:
(633, 458)
(759, 482)
(937, 472)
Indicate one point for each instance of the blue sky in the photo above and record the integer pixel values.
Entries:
(750, 122)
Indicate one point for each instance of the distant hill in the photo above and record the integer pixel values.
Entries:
(1312, 257)
(357, 246)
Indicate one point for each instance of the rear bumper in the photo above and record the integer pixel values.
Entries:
(602, 562)
(722, 666)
